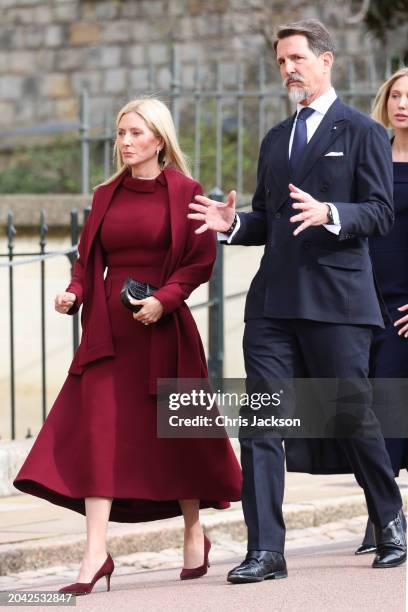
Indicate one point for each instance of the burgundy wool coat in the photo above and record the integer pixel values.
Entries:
(188, 264)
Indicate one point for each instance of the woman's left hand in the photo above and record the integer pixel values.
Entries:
(150, 313)
(403, 321)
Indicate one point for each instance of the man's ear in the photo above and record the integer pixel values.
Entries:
(328, 59)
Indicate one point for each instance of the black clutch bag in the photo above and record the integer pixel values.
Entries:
(137, 290)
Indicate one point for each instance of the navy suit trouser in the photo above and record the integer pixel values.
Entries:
(299, 348)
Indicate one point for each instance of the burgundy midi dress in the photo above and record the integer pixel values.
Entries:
(99, 438)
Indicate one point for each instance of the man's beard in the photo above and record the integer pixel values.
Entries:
(297, 94)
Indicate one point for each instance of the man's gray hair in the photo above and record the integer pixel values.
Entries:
(318, 37)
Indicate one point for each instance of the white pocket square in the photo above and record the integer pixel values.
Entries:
(334, 154)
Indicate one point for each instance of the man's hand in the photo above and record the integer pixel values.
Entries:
(216, 216)
(64, 302)
(313, 212)
(403, 321)
(150, 313)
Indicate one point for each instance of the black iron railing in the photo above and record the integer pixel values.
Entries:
(13, 258)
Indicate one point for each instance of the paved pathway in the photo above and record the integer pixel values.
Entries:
(224, 546)
(324, 575)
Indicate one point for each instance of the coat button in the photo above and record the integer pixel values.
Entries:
(306, 245)
(324, 187)
(278, 215)
(268, 192)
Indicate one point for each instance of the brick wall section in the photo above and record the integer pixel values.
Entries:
(49, 49)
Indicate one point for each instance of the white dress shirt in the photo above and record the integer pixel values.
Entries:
(321, 105)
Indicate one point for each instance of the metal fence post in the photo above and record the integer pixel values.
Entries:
(84, 138)
(216, 309)
(175, 87)
(11, 232)
(43, 242)
(107, 139)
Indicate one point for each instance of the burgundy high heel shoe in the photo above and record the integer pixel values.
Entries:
(83, 588)
(197, 572)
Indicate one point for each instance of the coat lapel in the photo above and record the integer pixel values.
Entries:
(178, 219)
(331, 126)
(278, 158)
(104, 197)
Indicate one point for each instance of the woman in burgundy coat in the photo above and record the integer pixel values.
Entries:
(98, 452)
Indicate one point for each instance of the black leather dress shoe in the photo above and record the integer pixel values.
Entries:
(391, 542)
(365, 549)
(259, 565)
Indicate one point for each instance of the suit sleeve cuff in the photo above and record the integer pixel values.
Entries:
(335, 227)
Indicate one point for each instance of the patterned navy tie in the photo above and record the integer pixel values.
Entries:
(300, 137)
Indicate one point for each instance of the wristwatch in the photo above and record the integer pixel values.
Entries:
(330, 220)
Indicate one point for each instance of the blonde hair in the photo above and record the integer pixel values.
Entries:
(159, 120)
(380, 112)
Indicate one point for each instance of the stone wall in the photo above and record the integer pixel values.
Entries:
(26, 211)
(49, 49)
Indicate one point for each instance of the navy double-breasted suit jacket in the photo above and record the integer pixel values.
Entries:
(319, 275)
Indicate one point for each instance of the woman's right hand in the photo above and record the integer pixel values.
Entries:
(64, 301)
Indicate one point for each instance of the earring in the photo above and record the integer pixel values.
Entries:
(162, 160)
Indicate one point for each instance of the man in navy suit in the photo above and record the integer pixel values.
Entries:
(324, 185)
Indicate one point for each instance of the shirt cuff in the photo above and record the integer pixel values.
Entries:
(335, 227)
(221, 237)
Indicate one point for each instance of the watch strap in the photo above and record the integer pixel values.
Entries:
(232, 227)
